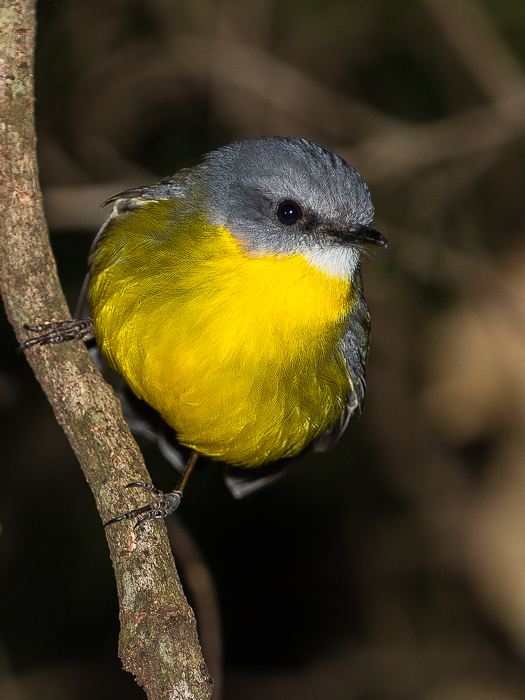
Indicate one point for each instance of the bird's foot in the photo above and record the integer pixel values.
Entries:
(165, 504)
(58, 332)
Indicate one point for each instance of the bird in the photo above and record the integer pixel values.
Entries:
(230, 299)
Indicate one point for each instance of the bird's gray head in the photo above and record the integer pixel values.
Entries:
(286, 195)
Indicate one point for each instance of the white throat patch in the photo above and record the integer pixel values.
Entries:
(335, 261)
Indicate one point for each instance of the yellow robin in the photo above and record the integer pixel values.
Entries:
(229, 297)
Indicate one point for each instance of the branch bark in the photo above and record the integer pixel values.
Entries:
(158, 639)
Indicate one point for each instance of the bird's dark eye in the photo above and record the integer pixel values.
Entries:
(289, 212)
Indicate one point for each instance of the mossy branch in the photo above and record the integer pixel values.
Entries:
(158, 639)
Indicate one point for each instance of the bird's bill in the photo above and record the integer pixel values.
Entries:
(361, 235)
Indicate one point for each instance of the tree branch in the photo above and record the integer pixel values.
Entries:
(158, 639)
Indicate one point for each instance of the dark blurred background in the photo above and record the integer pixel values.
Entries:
(394, 567)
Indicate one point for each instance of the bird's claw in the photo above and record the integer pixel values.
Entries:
(166, 504)
(58, 332)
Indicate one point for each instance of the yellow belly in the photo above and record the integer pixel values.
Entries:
(241, 355)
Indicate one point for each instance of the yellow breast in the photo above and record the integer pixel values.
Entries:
(241, 355)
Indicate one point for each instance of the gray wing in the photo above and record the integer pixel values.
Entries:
(356, 342)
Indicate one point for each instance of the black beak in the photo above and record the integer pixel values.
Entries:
(361, 235)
